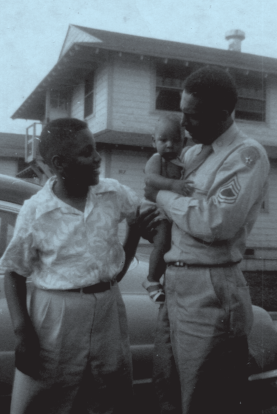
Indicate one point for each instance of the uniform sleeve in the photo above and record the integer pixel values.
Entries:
(129, 204)
(21, 254)
(238, 187)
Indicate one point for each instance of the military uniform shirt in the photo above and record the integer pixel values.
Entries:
(212, 226)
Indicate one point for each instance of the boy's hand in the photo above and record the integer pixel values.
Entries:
(27, 351)
(147, 222)
(182, 187)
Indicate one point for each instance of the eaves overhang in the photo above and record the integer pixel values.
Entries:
(83, 57)
(70, 70)
(165, 49)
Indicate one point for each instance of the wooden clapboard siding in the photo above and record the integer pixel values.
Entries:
(264, 233)
(77, 102)
(98, 120)
(8, 167)
(133, 94)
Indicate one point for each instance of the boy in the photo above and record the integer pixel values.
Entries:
(72, 347)
(163, 171)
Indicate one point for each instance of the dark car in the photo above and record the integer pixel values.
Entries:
(142, 313)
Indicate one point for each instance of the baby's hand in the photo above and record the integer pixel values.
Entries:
(182, 187)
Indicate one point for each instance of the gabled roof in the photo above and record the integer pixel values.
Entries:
(12, 145)
(177, 50)
(84, 47)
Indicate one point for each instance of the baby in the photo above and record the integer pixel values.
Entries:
(163, 171)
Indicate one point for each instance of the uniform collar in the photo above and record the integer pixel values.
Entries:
(226, 138)
(47, 201)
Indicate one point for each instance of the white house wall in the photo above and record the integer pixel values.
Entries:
(265, 229)
(98, 120)
(132, 96)
(128, 168)
(77, 102)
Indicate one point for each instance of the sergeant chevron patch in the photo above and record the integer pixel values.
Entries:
(229, 192)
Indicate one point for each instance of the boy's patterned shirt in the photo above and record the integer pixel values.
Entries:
(61, 247)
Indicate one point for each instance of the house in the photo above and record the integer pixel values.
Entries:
(120, 84)
(12, 153)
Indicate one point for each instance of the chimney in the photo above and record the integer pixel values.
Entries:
(235, 38)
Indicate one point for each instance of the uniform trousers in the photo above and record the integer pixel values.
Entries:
(85, 360)
(201, 351)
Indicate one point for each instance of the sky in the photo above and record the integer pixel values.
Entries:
(32, 34)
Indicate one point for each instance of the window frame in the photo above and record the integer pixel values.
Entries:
(165, 82)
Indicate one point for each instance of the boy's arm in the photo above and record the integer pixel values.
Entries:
(27, 345)
(155, 179)
(130, 246)
(143, 227)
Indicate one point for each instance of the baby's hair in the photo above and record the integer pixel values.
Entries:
(56, 136)
(170, 118)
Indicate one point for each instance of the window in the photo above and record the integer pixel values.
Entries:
(251, 91)
(252, 99)
(169, 86)
(59, 99)
(89, 89)
(168, 94)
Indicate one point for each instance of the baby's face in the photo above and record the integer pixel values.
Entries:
(168, 141)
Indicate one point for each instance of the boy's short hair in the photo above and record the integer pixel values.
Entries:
(214, 86)
(56, 135)
(172, 118)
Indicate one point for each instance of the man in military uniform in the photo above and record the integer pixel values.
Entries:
(203, 326)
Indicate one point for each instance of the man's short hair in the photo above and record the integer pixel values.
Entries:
(214, 86)
(56, 136)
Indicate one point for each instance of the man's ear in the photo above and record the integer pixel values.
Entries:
(56, 162)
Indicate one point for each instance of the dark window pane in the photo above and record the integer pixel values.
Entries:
(89, 84)
(168, 100)
(250, 116)
(252, 98)
(250, 105)
(88, 105)
(89, 87)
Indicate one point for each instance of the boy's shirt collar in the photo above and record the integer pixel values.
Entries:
(47, 201)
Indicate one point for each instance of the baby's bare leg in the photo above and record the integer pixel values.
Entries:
(162, 242)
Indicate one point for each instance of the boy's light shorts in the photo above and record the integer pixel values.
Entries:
(85, 359)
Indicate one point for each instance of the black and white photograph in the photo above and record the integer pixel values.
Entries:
(138, 207)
